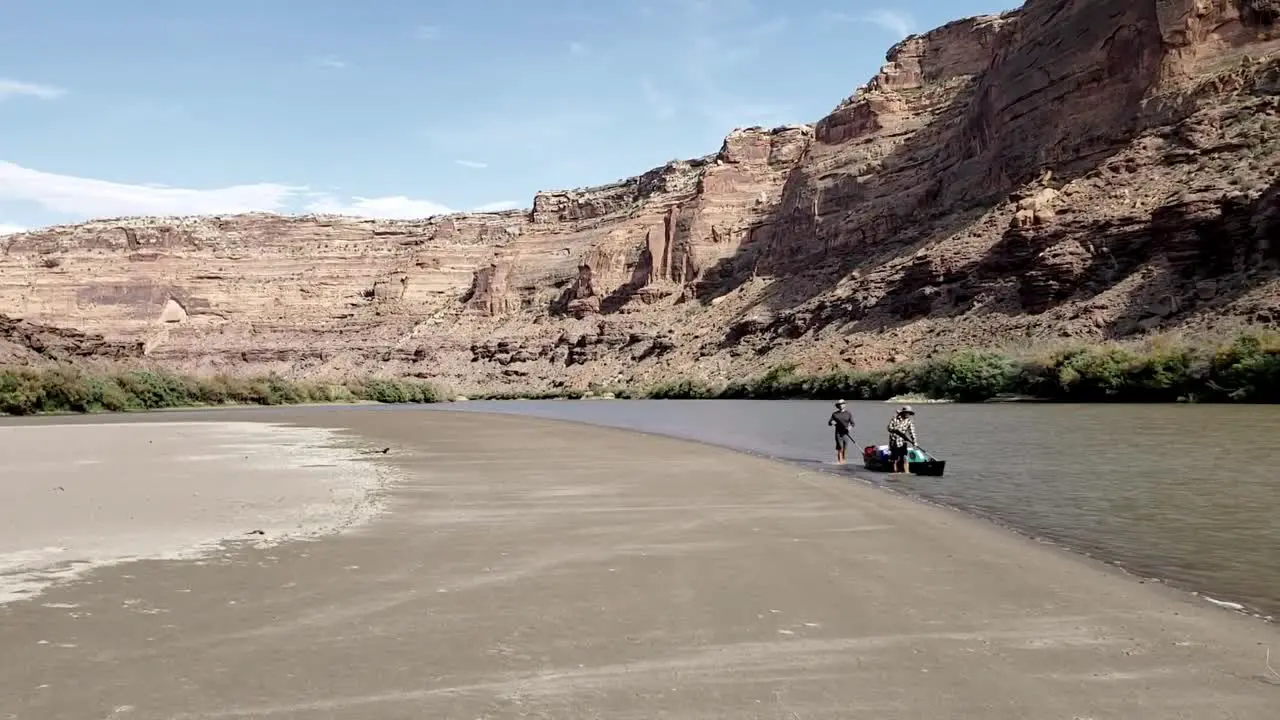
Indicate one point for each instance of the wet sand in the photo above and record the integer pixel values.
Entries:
(527, 568)
(78, 496)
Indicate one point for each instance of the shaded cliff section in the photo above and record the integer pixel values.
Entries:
(1076, 169)
(26, 343)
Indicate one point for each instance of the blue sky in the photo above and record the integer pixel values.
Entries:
(393, 108)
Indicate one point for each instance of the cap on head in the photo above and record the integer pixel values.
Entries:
(906, 410)
(839, 403)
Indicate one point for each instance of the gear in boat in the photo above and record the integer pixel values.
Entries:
(878, 459)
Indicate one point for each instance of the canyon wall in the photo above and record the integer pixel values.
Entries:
(1075, 170)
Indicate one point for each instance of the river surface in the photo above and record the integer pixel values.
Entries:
(1186, 493)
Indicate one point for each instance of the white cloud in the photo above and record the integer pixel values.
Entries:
(331, 62)
(7, 229)
(428, 32)
(498, 206)
(472, 164)
(14, 88)
(577, 49)
(87, 197)
(898, 23)
(84, 198)
(396, 207)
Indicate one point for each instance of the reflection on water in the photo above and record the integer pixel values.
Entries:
(1188, 493)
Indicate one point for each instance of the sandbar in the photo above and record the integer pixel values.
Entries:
(78, 496)
(533, 568)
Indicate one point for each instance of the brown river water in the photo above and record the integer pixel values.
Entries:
(1186, 493)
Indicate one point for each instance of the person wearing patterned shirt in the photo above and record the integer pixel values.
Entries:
(902, 435)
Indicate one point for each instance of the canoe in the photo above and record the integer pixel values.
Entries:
(873, 462)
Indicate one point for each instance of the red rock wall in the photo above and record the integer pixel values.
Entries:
(1079, 169)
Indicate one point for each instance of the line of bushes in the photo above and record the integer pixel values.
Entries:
(1246, 370)
(26, 391)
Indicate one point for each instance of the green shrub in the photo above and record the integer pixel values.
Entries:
(222, 389)
(1164, 375)
(21, 393)
(1036, 378)
(681, 390)
(270, 390)
(967, 376)
(326, 393)
(899, 380)
(779, 383)
(152, 390)
(848, 384)
(66, 390)
(26, 391)
(1095, 374)
(1248, 370)
(1245, 370)
(385, 390)
(735, 390)
(110, 396)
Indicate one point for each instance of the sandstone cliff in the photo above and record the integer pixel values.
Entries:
(1075, 169)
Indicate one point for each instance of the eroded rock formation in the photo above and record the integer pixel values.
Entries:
(1075, 169)
(25, 343)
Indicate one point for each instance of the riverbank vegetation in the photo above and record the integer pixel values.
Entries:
(26, 391)
(1245, 370)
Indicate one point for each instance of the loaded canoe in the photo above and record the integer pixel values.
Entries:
(872, 460)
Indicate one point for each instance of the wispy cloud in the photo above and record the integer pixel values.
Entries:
(87, 197)
(498, 206)
(658, 102)
(724, 36)
(900, 24)
(472, 164)
(578, 49)
(7, 229)
(395, 207)
(331, 62)
(428, 32)
(84, 198)
(17, 88)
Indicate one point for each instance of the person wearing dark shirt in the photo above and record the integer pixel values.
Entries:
(843, 422)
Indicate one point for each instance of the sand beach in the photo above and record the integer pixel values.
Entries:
(517, 567)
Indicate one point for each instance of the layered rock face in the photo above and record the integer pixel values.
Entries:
(25, 343)
(1078, 169)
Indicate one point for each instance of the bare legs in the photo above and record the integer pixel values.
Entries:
(900, 463)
